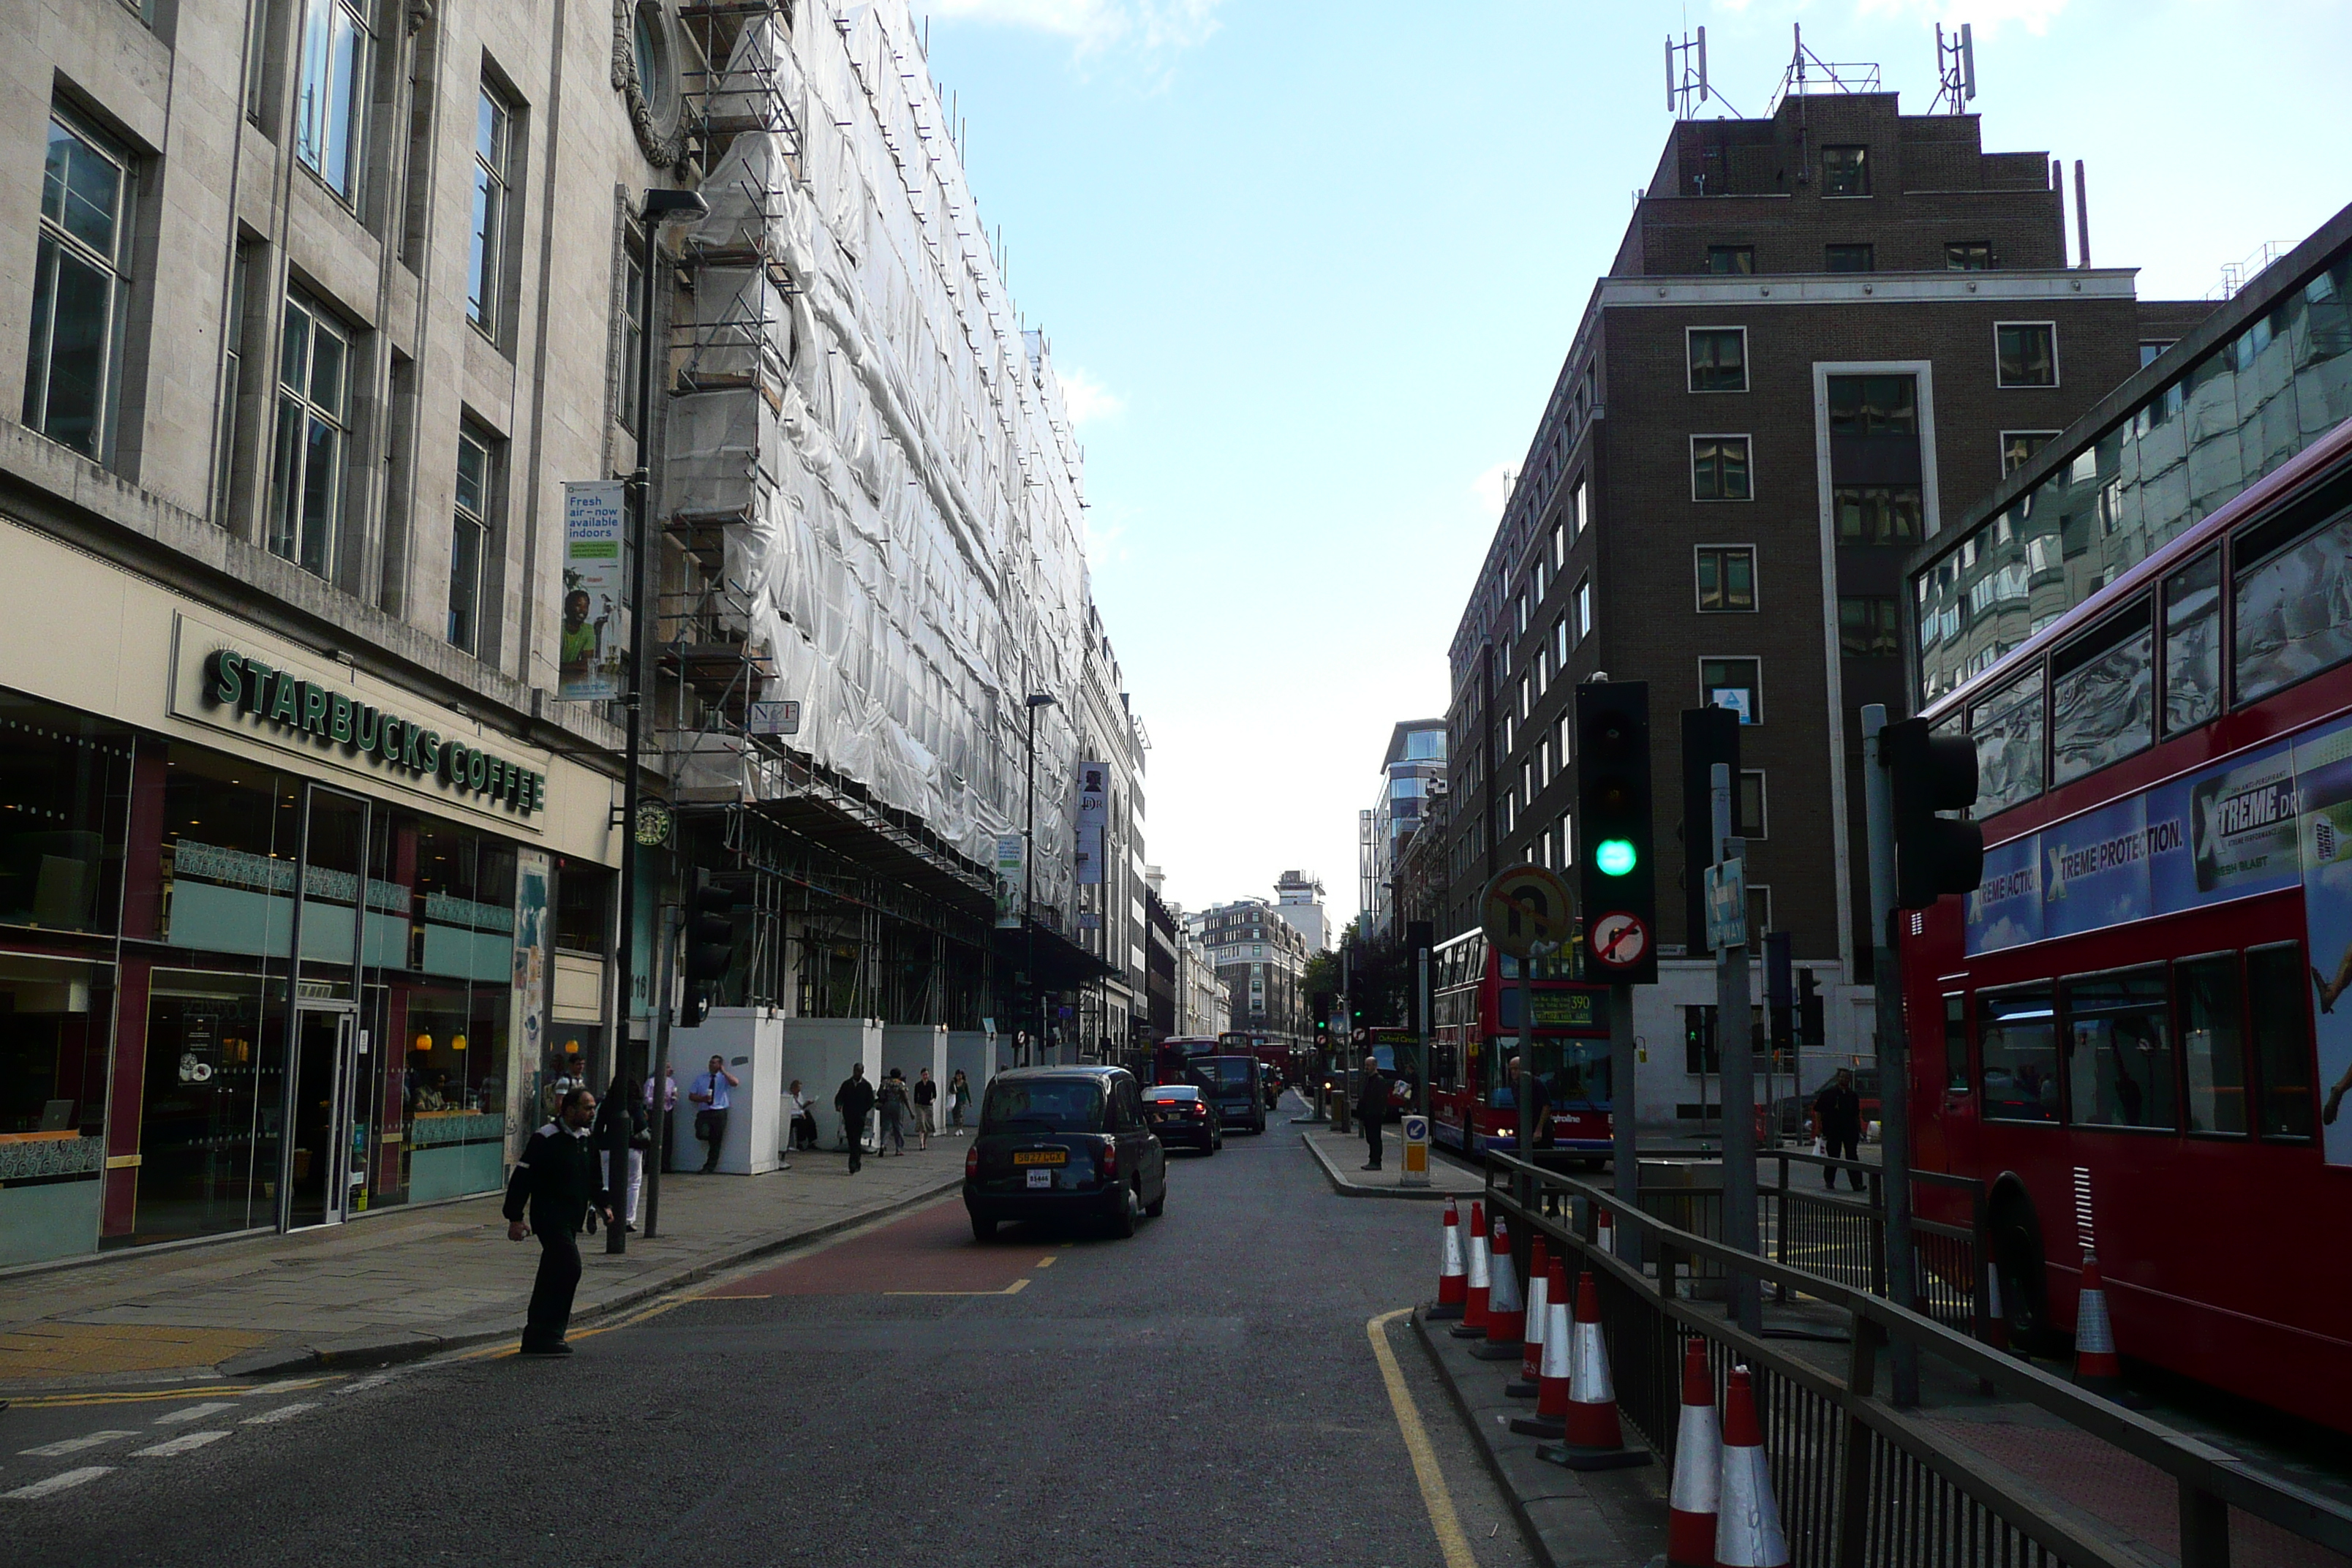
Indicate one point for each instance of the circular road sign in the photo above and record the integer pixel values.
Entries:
(1619, 940)
(1526, 905)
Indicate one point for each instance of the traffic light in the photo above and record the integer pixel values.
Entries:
(1710, 735)
(710, 944)
(1616, 869)
(1933, 855)
(1809, 1008)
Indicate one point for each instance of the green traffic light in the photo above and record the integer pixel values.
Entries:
(1614, 856)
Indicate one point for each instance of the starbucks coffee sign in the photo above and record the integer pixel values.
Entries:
(225, 680)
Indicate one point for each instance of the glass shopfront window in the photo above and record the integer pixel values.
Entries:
(64, 782)
(57, 1018)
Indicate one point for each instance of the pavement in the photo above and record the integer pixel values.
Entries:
(399, 1284)
(1341, 1157)
(1237, 1383)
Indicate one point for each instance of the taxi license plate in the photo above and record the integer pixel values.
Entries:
(1041, 1156)
(1041, 1178)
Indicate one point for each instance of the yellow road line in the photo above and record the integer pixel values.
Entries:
(1443, 1520)
(150, 1395)
(1047, 1261)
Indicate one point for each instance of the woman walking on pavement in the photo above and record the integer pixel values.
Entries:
(893, 1103)
(927, 1094)
(959, 1096)
(620, 1105)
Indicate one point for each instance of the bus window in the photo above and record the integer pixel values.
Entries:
(1955, 1045)
(2019, 1038)
(2294, 609)
(2007, 728)
(2103, 696)
(2193, 645)
(2276, 982)
(2212, 1045)
(2119, 1051)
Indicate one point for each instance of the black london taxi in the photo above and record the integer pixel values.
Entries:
(1064, 1142)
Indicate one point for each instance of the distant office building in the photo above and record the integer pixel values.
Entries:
(1299, 899)
(1412, 769)
(1260, 960)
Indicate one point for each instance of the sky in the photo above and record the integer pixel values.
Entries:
(1309, 269)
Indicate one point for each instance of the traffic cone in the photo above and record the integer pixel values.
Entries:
(1550, 1419)
(1747, 1520)
(1452, 1283)
(2096, 1366)
(1506, 1313)
(1699, 1466)
(1594, 1437)
(1532, 1336)
(1473, 1325)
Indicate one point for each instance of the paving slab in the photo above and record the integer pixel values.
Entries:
(1341, 1155)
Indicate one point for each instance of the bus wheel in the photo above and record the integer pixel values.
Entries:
(2024, 1298)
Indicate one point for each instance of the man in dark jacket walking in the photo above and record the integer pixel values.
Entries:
(1838, 1110)
(854, 1100)
(1371, 1106)
(558, 1178)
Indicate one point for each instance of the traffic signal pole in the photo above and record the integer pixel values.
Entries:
(1894, 1051)
(1735, 1043)
(1623, 1154)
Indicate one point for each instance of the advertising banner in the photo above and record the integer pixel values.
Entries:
(1094, 811)
(2322, 767)
(1010, 864)
(593, 595)
(527, 997)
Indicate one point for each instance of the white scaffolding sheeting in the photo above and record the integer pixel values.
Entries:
(853, 384)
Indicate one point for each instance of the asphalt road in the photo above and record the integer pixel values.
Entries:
(1205, 1392)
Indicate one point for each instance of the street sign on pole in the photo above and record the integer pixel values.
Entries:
(1727, 904)
(1526, 905)
(1416, 1152)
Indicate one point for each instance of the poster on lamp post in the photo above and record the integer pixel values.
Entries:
(1094, 810)
(591, 640)
(1010, 864)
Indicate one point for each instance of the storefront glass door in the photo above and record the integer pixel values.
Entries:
(325, 1090)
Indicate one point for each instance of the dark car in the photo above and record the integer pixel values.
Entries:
(1180, 1113)
(1231, 1084)
(1058, 1143)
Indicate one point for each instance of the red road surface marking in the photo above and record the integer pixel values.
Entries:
(928, 1251)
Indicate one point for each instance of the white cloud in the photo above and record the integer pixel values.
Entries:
(1097, 25)
(1087, 398)
(1493, 488)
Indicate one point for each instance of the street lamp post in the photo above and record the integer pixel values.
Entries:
(659, 205)
(1029, 884)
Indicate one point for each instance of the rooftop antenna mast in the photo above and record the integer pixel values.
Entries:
(1686, 83)
(1955, 69)
(1807, 72)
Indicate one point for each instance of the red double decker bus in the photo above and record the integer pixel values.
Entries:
(2146, 1035)
(1475, 1013)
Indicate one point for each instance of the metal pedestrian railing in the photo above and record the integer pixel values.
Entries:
(1864, 1484)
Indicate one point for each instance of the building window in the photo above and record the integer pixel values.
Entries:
(306, 475)
(1748, 806)
(1559, 546)
(1866, 628)
(1719, 358)
(81, 281)
(1734, 683)
(1876, 514)
(470, 542)
(1575, 516)
(1726, 578)
(1719, 468)
(485, 262)
(1560, 642)
(2027, 352)
(1873, 405)
(329, 105)
(1846, 171)
(2018, 447)
(1583, 608)
(1738, 260)
(1850, 258)
(1967, 256)
(2152, 347)
(224, 452)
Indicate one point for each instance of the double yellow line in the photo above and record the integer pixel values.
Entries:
(149, 1395)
